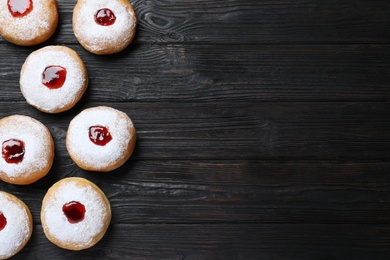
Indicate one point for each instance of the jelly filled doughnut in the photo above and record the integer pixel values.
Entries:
(27, 150)
(75, 214)
(28, 22)
(16, 225)
(104, 26)
(53, 79)
(100, 139)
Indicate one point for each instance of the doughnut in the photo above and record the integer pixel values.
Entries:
(100, 139)
(16, 225)
(28, 22)
(27, 150)
(53, 79)
(104, 26)
(75, 214)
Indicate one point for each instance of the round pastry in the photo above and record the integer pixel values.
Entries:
(16, 225)
(104, 26)
(27, 150)
(28, 22)
(53, 79)
(100, 139)
(75, 214)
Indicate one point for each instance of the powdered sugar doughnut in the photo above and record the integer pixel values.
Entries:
(100, 139)
(53, 79)
(104, 26)
(27, 150)
(75, 214)
(16, 225)
(28, 22)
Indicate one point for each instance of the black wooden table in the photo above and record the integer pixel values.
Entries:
(263, 131)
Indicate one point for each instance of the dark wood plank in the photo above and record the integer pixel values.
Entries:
(233, 73)
(225, 242)
(250, 22)
(263, 127)
(256, 131)
(254, 21)
(232, 192)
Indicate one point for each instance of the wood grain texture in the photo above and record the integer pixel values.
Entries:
(263, 131)
(247, 130)
(250, 22)
(220, 192)
(209, 73)
(226, 242)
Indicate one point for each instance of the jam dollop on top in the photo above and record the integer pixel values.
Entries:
(105, 17)
(74, 211)
(3, 221)
(54, 77)
(20, 8)
(99, 135)
(13, 151)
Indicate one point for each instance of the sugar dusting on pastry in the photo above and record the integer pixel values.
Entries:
(53, 100)
(18, 230)
(38, 156)
(59, 226)
(93, 156)
(97, 38)
(85, 233)
(40, 22)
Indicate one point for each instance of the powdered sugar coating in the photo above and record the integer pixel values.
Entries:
(94, 156)
(97, 215)
(97, 38)
(27, 28)
(38, 144)
(18, 229)
(44, 98)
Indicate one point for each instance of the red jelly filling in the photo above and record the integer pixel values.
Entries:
(74, 211)
(3, 221)
(13, 151)
(105, 17)
(54, 77)
(20, 8)
(99, 135)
